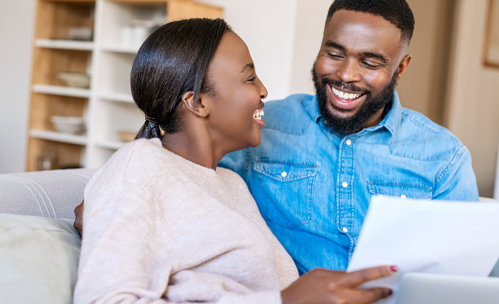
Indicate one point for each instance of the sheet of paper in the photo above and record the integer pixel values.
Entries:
(445, 237)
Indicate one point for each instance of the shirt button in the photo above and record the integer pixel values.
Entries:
(403, 196)
(345, 229)
(348, 142)
(284, 173)
(344, 184)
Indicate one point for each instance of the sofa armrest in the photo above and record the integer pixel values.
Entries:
(52, 193)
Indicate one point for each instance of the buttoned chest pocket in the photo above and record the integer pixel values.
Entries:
(285, 192)
(403, 190)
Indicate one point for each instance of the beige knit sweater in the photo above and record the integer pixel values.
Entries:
(161, 229)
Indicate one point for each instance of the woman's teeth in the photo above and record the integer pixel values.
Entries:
(258, 114)
(344, 95)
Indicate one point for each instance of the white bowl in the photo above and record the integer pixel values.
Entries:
(77, 80)
(68, 124)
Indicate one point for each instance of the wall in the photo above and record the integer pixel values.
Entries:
(16, 24)
(423, 86)
(473, 105)
(267, 27)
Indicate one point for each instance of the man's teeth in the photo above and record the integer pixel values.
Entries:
(343, 95)
(258, 114)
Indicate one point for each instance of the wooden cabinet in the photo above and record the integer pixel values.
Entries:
(82, 57)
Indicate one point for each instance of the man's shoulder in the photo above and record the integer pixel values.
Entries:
(419, 133)
(288, 115)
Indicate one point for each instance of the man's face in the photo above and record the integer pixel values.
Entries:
(360, 60)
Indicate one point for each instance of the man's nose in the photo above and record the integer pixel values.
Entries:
(349, 71)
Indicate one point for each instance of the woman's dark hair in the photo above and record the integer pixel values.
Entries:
(173, 60)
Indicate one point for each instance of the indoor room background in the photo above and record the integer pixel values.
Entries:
(447, 79)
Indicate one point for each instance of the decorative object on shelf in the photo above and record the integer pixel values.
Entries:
(46, 162)
(68, 124)
(82, 33)
(491, 48)
(77, 80)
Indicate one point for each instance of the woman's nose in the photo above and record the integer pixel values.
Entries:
(263, 89)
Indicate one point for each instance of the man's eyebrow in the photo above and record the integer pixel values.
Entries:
(375, 55)
(248, 66)
(365, 54)
(335, 45)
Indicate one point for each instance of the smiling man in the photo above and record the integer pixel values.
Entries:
(323, 157)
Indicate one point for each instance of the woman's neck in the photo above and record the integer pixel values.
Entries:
(195, 146)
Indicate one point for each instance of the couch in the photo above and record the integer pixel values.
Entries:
(39, 248)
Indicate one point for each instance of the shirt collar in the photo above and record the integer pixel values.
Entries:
(393, 118)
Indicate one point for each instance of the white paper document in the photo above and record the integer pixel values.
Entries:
(444, 237)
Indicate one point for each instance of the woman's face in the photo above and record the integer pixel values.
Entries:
(236, 106)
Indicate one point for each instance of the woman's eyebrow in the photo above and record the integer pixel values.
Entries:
(248, 66)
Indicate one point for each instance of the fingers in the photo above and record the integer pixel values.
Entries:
(369, 295)
(356, 278)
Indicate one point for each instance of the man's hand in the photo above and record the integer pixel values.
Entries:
(78, 224)
(324, 286)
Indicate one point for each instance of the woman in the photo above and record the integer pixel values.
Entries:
(162, 223)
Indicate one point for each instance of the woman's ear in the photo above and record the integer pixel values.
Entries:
(198, 107)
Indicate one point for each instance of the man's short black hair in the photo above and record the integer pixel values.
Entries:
(396, 12)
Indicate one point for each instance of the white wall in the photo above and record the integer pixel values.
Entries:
(16, 32)
(267, 27)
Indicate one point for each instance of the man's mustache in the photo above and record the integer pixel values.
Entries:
(344, 86)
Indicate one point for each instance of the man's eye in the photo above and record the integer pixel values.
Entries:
(370, 64)
(251, 78)
(335, 55)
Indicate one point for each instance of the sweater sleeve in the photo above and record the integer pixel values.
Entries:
(117, 259)
(124, 255)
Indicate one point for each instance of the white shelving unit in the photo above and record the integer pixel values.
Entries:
(119, 27)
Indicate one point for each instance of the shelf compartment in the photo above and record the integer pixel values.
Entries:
(56, 19)
(44, 106)
(64, 44)
(64, 155)
(113, 73)
(48, 63)
(109, 118)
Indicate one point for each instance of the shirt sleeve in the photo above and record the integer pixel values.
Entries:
(457, 180)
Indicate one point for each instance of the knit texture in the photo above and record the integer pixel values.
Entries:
(161, 229)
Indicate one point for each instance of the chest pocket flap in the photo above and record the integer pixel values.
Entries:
(285, 172)
(404, 190)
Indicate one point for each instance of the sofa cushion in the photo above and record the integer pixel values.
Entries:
(38, 259)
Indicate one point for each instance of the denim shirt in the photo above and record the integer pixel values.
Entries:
(313, 187)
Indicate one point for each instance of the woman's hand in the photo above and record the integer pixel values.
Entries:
(326, 286)
(78, 224)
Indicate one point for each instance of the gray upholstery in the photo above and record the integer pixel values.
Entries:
(52, 194)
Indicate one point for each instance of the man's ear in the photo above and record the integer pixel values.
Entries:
(198, 107)
(403, 65)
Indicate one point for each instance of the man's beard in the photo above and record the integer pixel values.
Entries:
(371, 105)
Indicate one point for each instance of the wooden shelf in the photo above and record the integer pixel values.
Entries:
(59, 137)
(64, 44)
(60, 90)
(107, 106)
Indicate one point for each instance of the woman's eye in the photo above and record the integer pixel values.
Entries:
(251, 78)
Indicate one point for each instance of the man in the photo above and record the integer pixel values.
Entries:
(323, 157)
